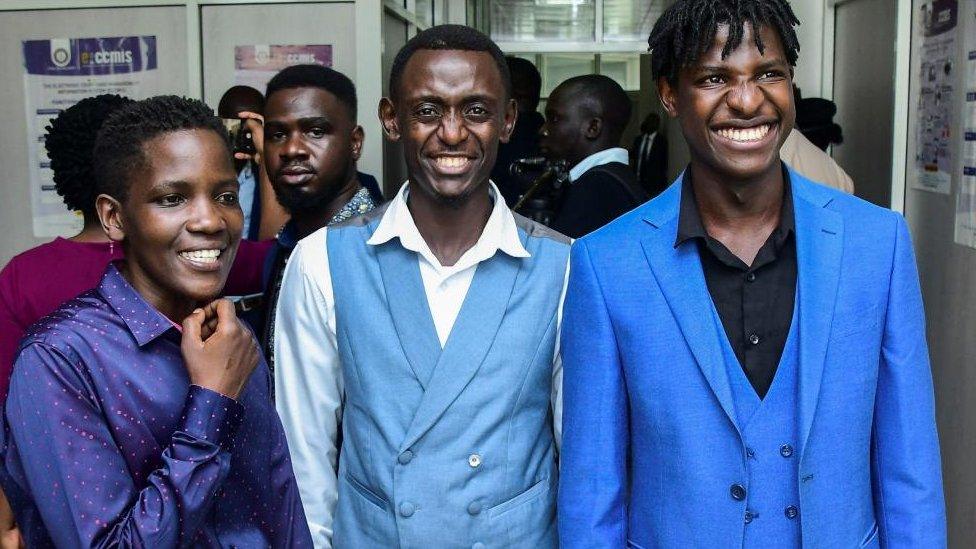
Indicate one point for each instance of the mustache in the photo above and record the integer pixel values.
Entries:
(303, 167)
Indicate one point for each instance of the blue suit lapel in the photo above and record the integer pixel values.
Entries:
(409, 309)
(471, 338)
(819, 249)
(679, 273)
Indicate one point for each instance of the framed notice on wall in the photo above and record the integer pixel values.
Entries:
(254, 65)
(936, 28)
(59, 72)
(965, 230)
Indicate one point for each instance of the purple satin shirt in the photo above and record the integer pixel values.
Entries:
(106, 443)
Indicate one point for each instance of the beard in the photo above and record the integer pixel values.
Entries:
(299, 201)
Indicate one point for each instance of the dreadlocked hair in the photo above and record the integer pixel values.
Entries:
(687, 29)
(119, 148)
(69, 142)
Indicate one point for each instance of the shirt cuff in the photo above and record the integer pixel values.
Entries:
(211, 416)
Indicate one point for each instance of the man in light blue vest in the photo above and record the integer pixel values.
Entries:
(745, 356)
(426, 332)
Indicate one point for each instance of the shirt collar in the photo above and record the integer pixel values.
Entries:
(500, 233)
(360, 203)
(144, 322)
(689, 219)
(606, 156)
(287, 236)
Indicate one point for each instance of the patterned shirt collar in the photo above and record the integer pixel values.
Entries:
(142, 319)
(360, 203)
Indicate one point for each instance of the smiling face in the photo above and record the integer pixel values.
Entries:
(311, 145)
(180, 222)
(451, 111)
(736, 112)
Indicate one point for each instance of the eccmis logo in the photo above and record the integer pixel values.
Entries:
(61, 52)
(106, 57)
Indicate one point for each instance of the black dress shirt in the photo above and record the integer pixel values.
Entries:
(755, 302)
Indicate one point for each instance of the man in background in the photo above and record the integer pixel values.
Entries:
(649, 156)
(311, 143)
(524, 143)
(585, 119)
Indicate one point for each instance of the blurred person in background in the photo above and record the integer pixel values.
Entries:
(524, 143)
(585, 119)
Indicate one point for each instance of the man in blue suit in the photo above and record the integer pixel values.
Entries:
(744, 356)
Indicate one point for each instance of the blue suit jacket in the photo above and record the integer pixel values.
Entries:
(650, 446)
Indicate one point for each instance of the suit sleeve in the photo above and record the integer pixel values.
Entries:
(905, 461)
(593, 476)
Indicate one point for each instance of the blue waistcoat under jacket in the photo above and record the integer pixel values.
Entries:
(447, 447)
(768, 429)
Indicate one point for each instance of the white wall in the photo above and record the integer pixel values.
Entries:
(809, 68)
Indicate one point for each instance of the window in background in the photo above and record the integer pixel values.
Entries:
(594, 22)
(629, 20)
(546, 20)
(556, 68)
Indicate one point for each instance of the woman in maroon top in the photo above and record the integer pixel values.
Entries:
(35, 282)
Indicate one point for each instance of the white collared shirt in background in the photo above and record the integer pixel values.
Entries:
(606, 156)
(308, 372)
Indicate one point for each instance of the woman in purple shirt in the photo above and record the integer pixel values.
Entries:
(138, 412)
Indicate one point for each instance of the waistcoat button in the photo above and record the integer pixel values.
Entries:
(738, 492)
(792, 512)
(407, 509)
(786, 450)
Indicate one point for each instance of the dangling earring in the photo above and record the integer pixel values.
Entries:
(111, 247)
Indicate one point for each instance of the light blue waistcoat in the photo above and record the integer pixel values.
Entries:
(769, 433)
(453, 447)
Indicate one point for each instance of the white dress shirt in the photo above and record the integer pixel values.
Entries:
(606, 156)
(308, 375)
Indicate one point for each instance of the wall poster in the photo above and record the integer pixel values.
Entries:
(254, 65)
(965, 232)
(60, 72)
(932, 166)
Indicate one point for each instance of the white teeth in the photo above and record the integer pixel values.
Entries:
(745, 135)
(201, 256)
(451, 161)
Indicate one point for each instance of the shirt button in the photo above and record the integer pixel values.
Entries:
(407, 509)
(474, 460)
(738, 492)
(405, 457)
(786, 450)
(751, 277)
(754, 339)
(474, 508)
(750, 516)
(792, 512)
